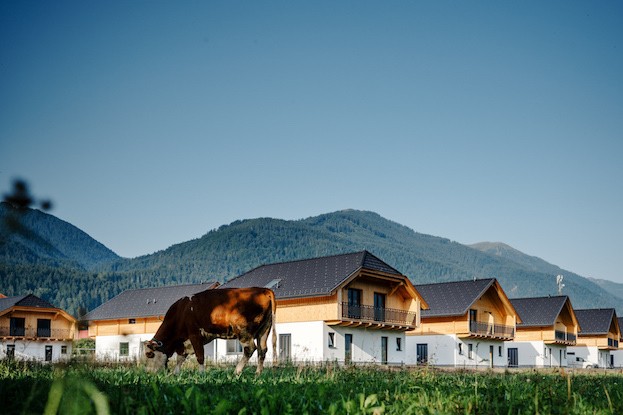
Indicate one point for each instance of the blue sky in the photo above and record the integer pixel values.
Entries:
(151, 123)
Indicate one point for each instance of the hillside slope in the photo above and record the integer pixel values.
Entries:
(68, 268)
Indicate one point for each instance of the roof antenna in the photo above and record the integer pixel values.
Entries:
(559, 279)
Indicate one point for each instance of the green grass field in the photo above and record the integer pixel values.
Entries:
(80, 388)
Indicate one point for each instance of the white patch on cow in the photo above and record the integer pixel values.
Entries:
(188, 347)
(157, 362)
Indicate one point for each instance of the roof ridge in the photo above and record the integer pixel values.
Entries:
(456, 282)
(305, 259)
(168, 286)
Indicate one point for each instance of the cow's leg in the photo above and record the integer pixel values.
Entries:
(248, 345)
(197, 343)
(178, 363)
(262, 348)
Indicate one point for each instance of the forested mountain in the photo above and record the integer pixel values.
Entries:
(83, 273)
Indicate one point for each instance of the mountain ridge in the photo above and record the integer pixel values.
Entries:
(79, 281)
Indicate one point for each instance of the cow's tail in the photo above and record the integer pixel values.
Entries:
(274, 321)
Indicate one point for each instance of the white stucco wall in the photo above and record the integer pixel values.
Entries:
(448, 350)
(590, 354)
(539, 354)
(35, 350)
(618, 358)
(309, 343)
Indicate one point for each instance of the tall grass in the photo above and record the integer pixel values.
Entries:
(78, 388)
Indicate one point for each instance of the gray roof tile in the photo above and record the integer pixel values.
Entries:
(29, 300)
(144, 302)
(310, 277)
(595, 321)
(452, 298)
(540, 311)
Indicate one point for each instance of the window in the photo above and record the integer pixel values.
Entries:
(500, 351)
(18, 326)
(10, 351)
(48, 353)
(354, 303)
(460, 348)
(473, 315)
(233, 346)
(470, 351)
(63, 349)
(545, 351)
(332, 340)
(124, 349)
(399, 344)
(132, 321)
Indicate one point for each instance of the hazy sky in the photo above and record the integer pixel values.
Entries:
(151, 123)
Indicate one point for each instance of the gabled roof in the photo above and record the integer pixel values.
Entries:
(596, 321)
(144, 302)
(541, 311)
(447, 299)
(311, 277)
(28, 300)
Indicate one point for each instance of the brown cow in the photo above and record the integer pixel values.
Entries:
(246, 314)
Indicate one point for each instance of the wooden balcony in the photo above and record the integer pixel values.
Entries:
(35, 333)
(562, 337)
(376, 317)
(491, 331)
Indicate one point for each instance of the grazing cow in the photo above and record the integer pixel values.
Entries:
(246, 314)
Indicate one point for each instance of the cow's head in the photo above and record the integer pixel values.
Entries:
(154, 352)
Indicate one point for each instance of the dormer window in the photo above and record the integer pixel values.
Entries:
(274, 284)
(132, 321)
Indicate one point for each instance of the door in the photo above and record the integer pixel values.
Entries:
(44, 327)
(422, 353)
(384, 350)
(513, 357)
(285, 347)
(354, 303)
(48, 353)
(491, 356)
(348, 348)
(379, 307)
(10, 351)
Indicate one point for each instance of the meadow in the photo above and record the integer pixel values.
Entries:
(80, 388)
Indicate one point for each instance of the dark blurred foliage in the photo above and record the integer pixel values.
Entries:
(20, 197)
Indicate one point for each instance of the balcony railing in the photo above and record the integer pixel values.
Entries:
(564, 337)
(35, 333)
(491, 330)
(380, 315)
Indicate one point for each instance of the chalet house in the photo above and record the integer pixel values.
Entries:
(599, 337)
(33, 329)
(548, 326)
(120, 325)
(346, 308)
(618, 354)
(466, 324)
